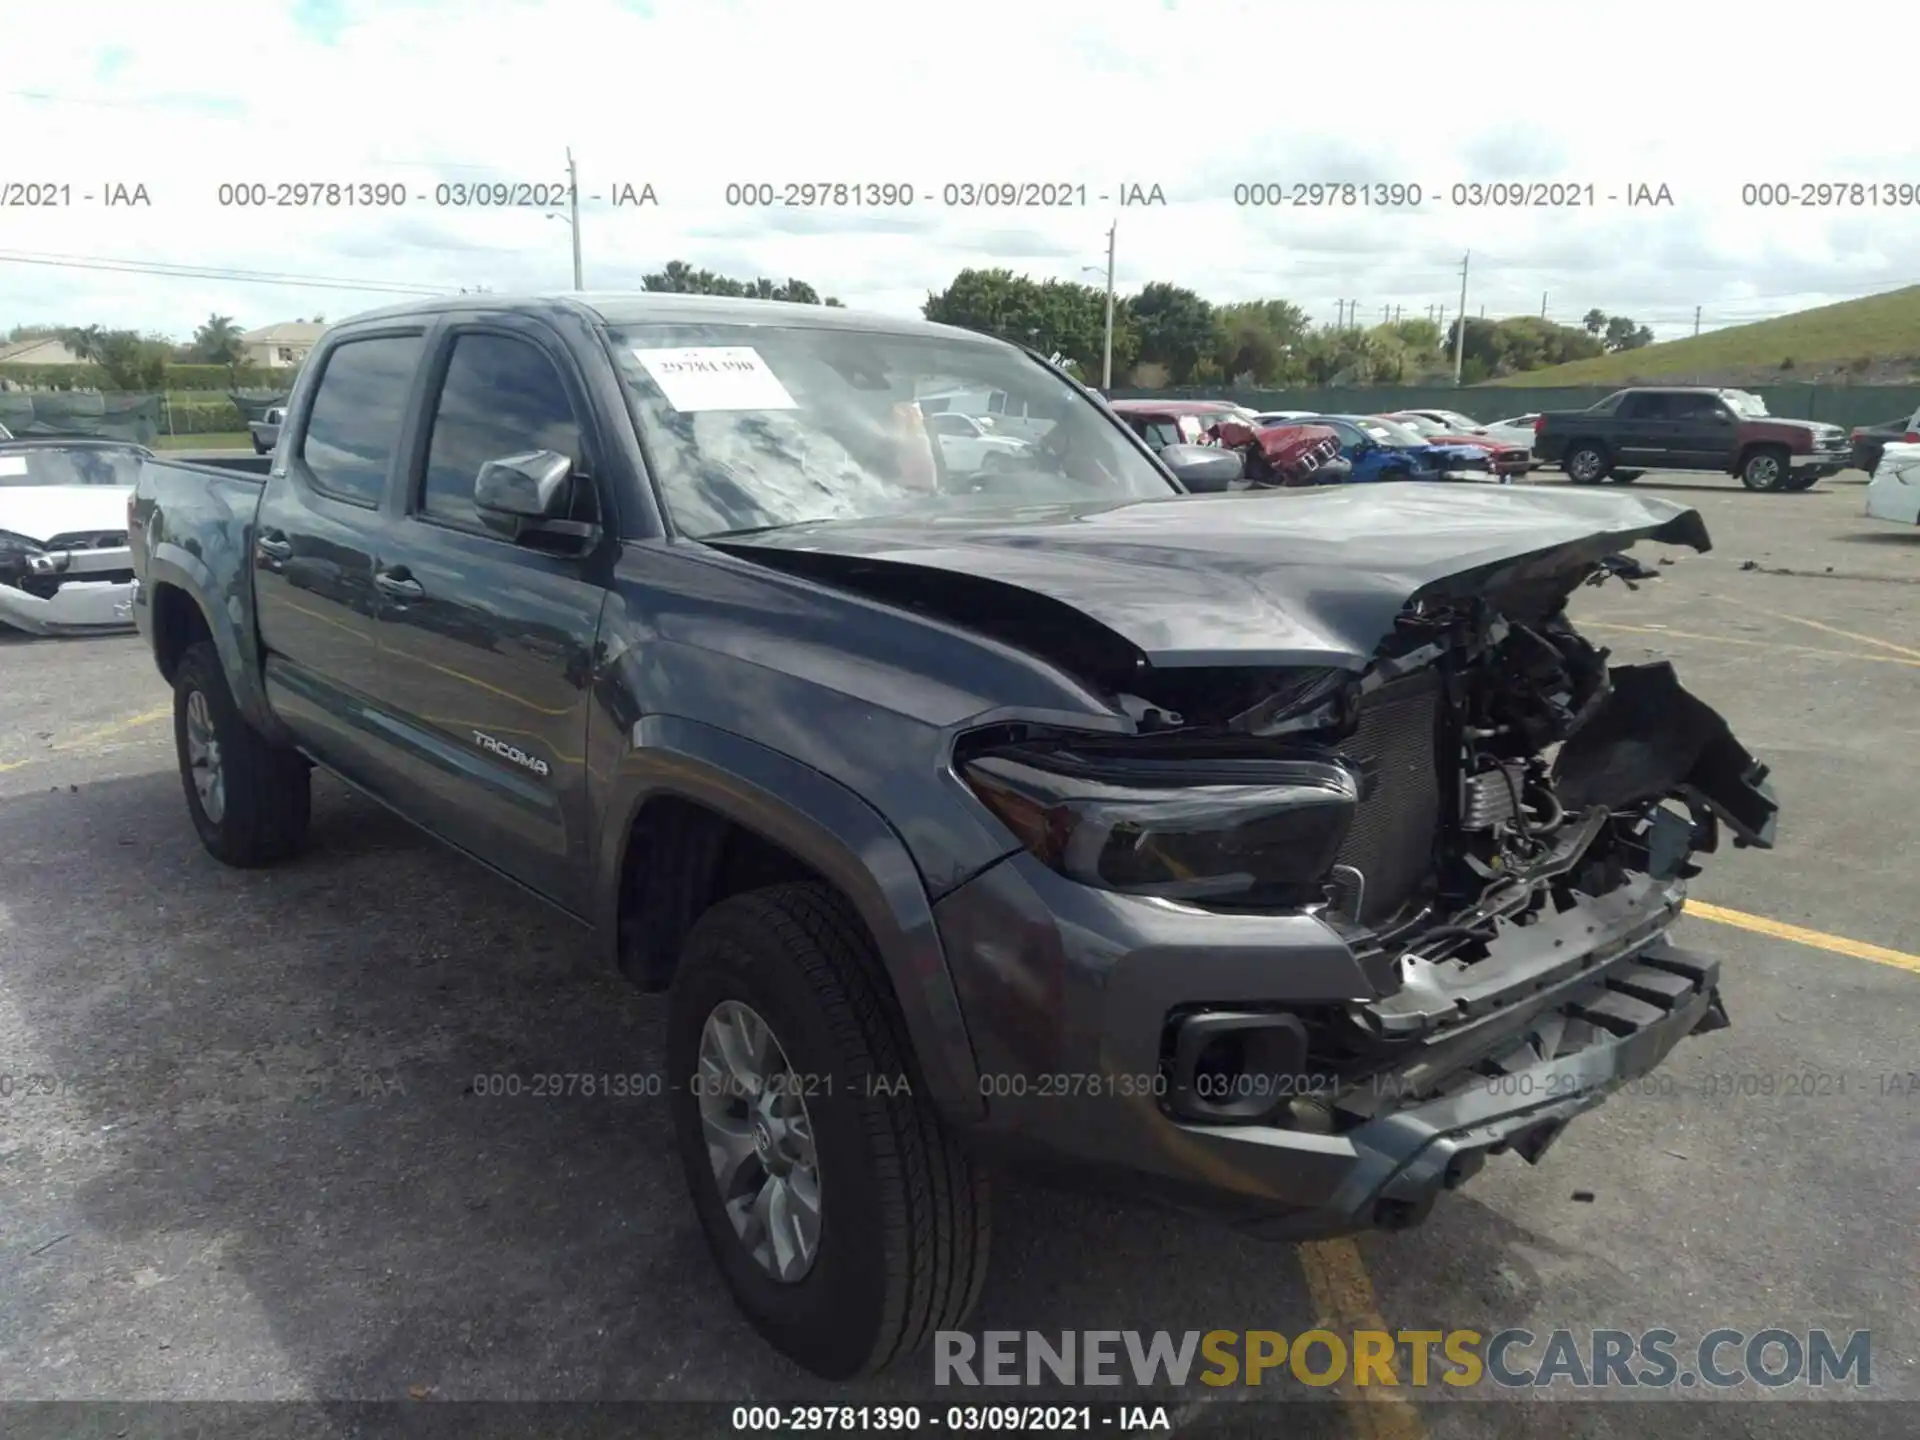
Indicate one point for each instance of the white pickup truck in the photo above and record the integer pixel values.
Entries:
(266, 430)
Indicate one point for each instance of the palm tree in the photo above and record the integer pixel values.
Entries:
(217, 342)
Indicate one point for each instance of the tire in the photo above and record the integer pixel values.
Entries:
(258, 807)
(1625, 477)
(903, 1233)
(1588, 463)
(1766, 469)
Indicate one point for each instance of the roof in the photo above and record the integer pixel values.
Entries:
(1173, 407)
(287, 332)
(659, 307)
(22, 352)
(18, 443)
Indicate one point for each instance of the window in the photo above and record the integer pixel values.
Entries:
(1693, 407)
(946, 423)
(1162, 433)
(1647, 405)
(501, 397)
(763, 426)
(354, 424)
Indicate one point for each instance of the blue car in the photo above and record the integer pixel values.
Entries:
(1385, 450)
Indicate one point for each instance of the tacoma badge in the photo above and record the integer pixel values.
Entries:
(511, 752)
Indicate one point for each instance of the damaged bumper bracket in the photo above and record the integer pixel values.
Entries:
(1633, 1015)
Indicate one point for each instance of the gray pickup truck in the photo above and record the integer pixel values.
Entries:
(1282, 854)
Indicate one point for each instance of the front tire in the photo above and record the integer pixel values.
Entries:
(1766, 469)
(249, 799)
(1588, 463)
(779, 994)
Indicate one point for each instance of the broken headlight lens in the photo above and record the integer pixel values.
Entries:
(1243, 833)
(15, 552)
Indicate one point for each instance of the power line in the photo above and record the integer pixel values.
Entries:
(209, 272)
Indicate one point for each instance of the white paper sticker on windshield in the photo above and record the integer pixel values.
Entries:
(715, 377)
(13, 464)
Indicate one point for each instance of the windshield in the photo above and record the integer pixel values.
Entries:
(1742, 402)
(1388, 432)
(1456, 420)
(752, 427)
(1419, 424)
(70, 465)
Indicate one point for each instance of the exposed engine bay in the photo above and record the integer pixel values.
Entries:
(1489, 788)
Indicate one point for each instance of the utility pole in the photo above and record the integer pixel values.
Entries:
(1696, 320)
(1106, 354)
(573, 196)
(1339, 314)
(1543, 304)
(1460, 337)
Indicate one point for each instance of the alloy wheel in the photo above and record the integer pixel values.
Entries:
(759, 1140)
(203, 759)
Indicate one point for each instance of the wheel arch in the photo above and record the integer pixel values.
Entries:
(703, 789)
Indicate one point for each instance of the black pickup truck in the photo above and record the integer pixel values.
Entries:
(1689, 428)
(1201, 846)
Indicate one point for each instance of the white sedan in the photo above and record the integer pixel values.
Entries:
(1894, 493)
(968, 443)
(1514, 430)
(64, 563)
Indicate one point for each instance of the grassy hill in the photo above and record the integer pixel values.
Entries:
(1871, 341)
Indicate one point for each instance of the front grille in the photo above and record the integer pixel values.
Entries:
(1395, 828)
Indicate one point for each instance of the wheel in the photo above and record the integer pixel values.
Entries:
(1766, 469)
(1587, 463)
(249, 799)
(848, 1223)
(1625, 477)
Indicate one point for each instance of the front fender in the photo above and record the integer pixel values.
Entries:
(834, 831)
(227, 607)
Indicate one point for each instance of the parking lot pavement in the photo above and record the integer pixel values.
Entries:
(252, 1162)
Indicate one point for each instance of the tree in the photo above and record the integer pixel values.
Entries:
(1175, 327)
(128, 359)
(1623, 334)
(1051, 316)
(217, 342)
(1594, 321)
(680, 278)
(1259, 342)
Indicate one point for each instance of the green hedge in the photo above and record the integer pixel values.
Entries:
(179, 377)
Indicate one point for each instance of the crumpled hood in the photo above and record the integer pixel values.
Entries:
(40, 512)
(1273, 577)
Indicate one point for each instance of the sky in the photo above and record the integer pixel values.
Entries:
(1210, 101)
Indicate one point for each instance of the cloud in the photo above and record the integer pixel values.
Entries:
(1068, 101)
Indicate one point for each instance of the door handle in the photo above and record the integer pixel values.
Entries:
(398, 583)
(273, 547)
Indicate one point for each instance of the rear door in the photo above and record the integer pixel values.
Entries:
(493, 640)
(316, 541)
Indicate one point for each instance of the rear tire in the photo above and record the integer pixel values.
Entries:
(1588, 463)
(1767, 469)
(250, 800)
(902, 1234)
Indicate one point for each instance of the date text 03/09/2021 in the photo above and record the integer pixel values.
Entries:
(957, 1419)
(1323, 194)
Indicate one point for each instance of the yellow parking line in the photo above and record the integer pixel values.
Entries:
(91, 737)
(1756, 644)
(1836, 630)
(1343, 1301)
(1800, 935)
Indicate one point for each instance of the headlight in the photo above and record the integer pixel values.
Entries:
(16, 551)
(1254, 833)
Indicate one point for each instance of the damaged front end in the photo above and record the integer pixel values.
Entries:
(71, 583)
(1495, 822)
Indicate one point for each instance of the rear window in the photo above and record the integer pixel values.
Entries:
(353, 426)
(70, 465)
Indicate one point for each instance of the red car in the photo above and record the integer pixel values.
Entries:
(1507, 461)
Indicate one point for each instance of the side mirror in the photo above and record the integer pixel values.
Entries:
(1721, 417)
(1204, 468)
(517, 494)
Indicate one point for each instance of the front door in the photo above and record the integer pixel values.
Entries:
(494, 640)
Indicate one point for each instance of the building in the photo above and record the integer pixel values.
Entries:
(48, 351)
(280, 347)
